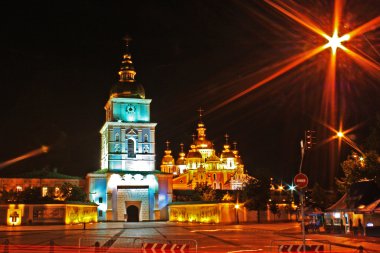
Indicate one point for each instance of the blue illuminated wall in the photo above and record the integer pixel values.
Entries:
(128, 138)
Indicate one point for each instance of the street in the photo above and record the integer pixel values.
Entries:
(204, 238)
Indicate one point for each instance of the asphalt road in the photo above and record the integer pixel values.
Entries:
(207, 238)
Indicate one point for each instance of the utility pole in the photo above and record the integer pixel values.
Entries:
(301, 179)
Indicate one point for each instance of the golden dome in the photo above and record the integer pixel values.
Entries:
(127, 87)
(227, 154)
(127, 90)
(203, 143)
(193, 153)
(168, 159)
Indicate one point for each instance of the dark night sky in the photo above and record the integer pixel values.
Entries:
(60, 58)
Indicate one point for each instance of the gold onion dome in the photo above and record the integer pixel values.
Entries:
(181, 160)
(227, 153)
(168, 158)
(193, 153)
(127, 87)
(203, 144)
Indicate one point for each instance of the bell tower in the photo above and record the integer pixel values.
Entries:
(128, 136)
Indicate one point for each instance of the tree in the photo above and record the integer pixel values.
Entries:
(256, 194)
(319, 197)
(366, 166)
(357, 168)
(204, 192)
(70, 192)
(273, 207)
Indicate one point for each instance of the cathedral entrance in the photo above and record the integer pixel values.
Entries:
(132, 213)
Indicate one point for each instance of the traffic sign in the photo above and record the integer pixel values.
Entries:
(301, 180)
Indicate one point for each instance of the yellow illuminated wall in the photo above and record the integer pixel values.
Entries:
(14, 215)
(202, 213)
(25, 214)
(81, 214)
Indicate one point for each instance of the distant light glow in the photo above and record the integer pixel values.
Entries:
(340, 134)
(36, 152)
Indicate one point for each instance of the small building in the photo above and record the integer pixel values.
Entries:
(42, 213)
(45, 179)
(358, 209)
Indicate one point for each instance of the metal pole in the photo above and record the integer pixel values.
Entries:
(302, 200)
(303, 221)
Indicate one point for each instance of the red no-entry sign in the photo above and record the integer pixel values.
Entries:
(301, 180)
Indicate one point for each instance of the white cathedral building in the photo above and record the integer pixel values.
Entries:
(127, 187)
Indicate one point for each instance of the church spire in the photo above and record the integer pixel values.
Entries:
(201, 127)
(127, 70)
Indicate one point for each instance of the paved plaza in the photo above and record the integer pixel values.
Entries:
(208, 238)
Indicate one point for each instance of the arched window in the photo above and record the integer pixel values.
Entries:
(145, 138)
(214, 176)
(131, 148)
(117, 137)
(117, 148)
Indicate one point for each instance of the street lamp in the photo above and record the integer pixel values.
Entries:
(341, 136)
(237, 207)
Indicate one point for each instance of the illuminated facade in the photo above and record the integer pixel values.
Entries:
(128, 187)
(202, 165)
(65, 213)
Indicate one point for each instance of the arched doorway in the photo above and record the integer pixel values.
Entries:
(132, 213)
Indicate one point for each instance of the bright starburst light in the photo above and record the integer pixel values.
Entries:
(334, 41)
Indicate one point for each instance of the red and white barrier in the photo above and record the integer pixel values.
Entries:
(299, 248)
(164, 247)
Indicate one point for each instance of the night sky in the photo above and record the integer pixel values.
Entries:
(59, 60)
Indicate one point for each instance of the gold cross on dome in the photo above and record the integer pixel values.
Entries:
(167, 144)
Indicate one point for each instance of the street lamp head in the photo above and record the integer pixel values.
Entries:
(237, 206)
(340, 134)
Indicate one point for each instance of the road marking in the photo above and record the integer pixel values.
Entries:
(245, 250)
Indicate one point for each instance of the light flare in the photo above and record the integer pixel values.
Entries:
(36, 152)
(297, 61)
(334, 42)
(298, 17)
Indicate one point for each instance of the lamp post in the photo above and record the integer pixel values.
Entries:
(237, 207)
